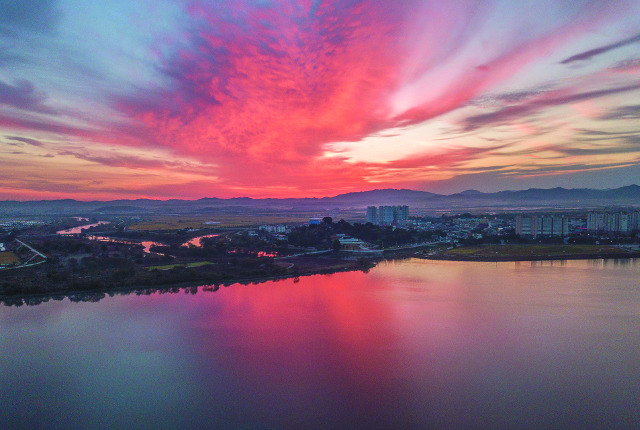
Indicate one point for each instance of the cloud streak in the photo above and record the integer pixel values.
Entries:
(28, 141)
(512, 113)
(23, 95)
(587, 55)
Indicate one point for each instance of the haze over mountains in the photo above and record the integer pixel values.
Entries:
(419, 200)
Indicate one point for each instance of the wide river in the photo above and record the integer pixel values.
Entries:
(411, 344)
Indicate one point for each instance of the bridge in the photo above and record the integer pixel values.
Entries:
(30, 261)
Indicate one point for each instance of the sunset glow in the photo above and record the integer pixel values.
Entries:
(276, 98)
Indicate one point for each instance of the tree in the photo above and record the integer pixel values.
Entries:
(327, 220)
(336, 245)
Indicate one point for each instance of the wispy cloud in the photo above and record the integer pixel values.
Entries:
(587, 55)
(514, 112)
(27, 140)
(23, 95)
(624, 112)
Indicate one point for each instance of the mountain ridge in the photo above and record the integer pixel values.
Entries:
(625, 195)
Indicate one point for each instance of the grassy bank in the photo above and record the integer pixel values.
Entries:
(295, 267)
(532, 252)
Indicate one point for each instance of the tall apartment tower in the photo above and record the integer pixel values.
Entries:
(616, 222)
(596, 221)
(553, 226)
(372, 214)
(542, 226)
(527, 226)
(387, 215)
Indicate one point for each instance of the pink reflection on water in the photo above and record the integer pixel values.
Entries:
(259, 253)
(414, 344)
(196, 241)
(78, 229)
(146, 245)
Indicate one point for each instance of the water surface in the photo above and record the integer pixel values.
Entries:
(412, 344)
(78, 229)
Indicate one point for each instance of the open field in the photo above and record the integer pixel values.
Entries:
(8, 257)
(168, 222)
(536, 251)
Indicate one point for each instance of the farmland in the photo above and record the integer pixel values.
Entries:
(239, 220)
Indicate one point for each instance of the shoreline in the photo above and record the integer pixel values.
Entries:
(506, 259)
(533, 252)
(93, 295)
(99, 294)
(365, 264)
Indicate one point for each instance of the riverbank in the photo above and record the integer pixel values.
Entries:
(298, 267)
(531, 252)
(40, 286)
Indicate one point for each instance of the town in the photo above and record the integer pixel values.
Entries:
(49, 253)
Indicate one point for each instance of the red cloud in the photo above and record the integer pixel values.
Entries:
(276, 83)
(258, 89)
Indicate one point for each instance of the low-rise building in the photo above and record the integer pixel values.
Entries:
(280, 228)
(350, 243)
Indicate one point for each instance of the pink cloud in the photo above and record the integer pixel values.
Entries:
(273, 84)
(258, 90)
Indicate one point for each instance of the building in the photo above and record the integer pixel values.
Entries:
(385, 215)
(553, 226)
(280, 228)
(527, 226)
(388, 215)
(349, 243)
(544, 225)
(315, 221)
(372, 214)
(613, 222)
(596, 221)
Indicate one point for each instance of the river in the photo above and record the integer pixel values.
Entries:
(146, 244)
(410, 344)
(78, 229)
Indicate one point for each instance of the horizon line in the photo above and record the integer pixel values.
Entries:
(316, 198)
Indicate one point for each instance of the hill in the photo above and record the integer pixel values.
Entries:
(534, 197)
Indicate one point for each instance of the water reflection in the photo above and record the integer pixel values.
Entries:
(196, 241)
(412, 344)
(146, 245)
(78, 229)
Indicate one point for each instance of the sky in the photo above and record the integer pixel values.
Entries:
(273, 98)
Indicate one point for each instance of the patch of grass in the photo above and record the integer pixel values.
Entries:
(536, 250)
(462, 251)
(8, 257)
(173, 266)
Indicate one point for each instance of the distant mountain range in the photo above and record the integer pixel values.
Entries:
(420, 200)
